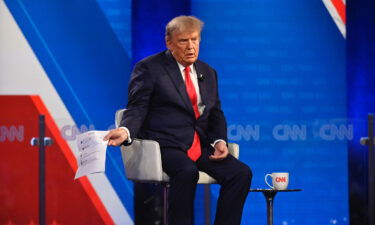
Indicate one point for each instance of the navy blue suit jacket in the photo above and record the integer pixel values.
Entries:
(159, 107)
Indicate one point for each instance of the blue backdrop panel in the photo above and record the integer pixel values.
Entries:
(85, 62)
(281, 74)
(281, 69)
(149, 19)
(118, 14)
(361, 99)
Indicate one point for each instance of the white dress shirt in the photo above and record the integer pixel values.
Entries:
(194, 79)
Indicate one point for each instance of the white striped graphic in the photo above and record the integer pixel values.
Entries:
(335, 14)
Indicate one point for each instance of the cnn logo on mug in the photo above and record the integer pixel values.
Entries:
(280, 181)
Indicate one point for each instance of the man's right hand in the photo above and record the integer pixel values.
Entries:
(116, 136)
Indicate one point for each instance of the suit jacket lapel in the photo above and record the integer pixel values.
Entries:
(201, 84)
(175, 75)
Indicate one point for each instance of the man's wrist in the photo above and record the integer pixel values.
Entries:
(128, 140)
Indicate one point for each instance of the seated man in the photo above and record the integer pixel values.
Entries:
(173, 99)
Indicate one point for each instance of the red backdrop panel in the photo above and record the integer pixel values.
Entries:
(69, 201)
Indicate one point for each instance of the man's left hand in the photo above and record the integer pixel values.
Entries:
(221, 151)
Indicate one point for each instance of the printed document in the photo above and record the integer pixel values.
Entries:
(91, 153)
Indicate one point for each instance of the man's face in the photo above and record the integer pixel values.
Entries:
(184, 47)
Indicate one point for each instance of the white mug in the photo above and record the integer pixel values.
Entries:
(280, 181)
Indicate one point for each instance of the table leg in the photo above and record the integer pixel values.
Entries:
(269, 199)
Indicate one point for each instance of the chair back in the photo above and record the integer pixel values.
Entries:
(118, 117)
(142, 159)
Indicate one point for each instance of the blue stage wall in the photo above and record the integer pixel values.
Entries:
(282, 80)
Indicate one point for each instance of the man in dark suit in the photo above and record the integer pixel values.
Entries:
(173, 99)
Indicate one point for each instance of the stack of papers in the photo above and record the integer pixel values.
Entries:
(91, 153)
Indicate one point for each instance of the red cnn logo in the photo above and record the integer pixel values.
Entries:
(280, 179)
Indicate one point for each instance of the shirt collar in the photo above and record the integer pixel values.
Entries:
(182, 68)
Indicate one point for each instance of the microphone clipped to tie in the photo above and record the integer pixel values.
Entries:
(200, 77)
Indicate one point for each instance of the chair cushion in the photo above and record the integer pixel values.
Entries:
(204, 178)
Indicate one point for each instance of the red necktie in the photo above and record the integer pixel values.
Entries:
(194, 151)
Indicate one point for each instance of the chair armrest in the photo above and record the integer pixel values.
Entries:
(142, 161)
(234, 149)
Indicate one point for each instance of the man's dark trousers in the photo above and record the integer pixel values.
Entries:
(233, 176)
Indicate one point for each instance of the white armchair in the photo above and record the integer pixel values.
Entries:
(142, 162)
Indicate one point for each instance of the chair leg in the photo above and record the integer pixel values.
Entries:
(207, 204)
(165, 204)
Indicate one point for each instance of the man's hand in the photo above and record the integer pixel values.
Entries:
(116, 136)
(221, 151)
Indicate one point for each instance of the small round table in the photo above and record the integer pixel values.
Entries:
(270, 194)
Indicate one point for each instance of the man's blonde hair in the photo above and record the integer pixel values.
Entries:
(181, 24)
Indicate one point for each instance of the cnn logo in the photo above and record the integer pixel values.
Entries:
(280, 179)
